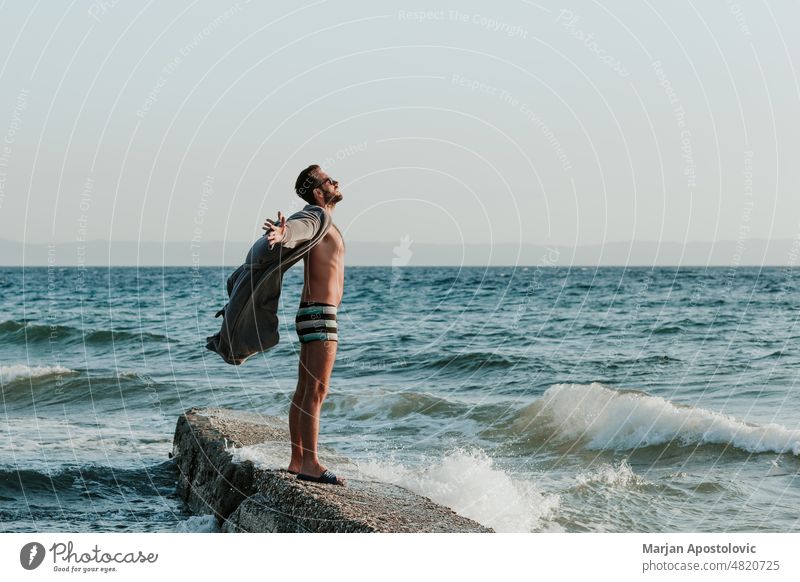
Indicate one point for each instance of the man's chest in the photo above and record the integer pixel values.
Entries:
(331, 245)
(334, 238)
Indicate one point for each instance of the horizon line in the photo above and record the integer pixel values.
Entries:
(527, 266)
(356, 241)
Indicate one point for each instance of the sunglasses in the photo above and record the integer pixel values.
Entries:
(327, 181)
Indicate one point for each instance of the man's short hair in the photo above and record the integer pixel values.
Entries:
(306, 182)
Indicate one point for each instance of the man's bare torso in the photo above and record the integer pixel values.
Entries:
(323, 269)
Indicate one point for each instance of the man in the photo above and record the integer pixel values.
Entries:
(316, 325)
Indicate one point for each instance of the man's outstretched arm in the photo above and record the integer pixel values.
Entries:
(299, 228)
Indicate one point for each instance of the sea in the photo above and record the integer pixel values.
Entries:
(530, 399)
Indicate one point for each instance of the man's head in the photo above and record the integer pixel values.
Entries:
(315, 187)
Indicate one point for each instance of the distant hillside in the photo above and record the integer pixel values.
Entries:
(213, 253)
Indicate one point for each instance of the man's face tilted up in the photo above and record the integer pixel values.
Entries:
(327, 191)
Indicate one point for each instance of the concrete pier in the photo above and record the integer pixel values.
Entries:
(264, 497)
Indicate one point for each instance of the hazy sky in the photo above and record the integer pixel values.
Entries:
(547, 123)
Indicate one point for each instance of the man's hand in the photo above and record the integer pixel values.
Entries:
(275, 231)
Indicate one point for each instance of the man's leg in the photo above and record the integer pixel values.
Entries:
(295, 412)
(321, 357)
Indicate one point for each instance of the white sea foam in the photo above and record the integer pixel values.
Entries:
(49, 444)
(198, 524)
(468, 482)
(10, 374)
(609, 419)
(617, 475)
(471, 485)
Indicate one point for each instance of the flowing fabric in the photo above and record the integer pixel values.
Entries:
(250, 318)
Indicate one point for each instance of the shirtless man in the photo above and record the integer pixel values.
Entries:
(323, 275)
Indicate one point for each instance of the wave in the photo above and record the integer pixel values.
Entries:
(56, 385)
(27, 332)
(465, 480)
(464, 362)
(601, 418)
(777, 355)
(669, 329)
(198, 524)
(591, 326)
(617, 475)
(117, 441)
(652, 360)
(395, 405)
(469, 482)
(150, 479)
(19, 372)
(112, 335)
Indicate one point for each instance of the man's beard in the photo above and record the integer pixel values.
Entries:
(334, 199)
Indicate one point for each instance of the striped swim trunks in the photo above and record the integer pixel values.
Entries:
(316, 321)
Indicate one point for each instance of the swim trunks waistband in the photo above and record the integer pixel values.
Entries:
(316, 321)
(310, 303)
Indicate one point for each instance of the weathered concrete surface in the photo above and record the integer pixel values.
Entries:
(263, 497)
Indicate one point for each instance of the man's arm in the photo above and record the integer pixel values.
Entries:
(300, 227)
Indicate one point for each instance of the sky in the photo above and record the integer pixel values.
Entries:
(575, 123)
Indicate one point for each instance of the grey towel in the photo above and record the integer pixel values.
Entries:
(250, 318)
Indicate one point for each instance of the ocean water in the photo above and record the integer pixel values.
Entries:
(529, 399)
